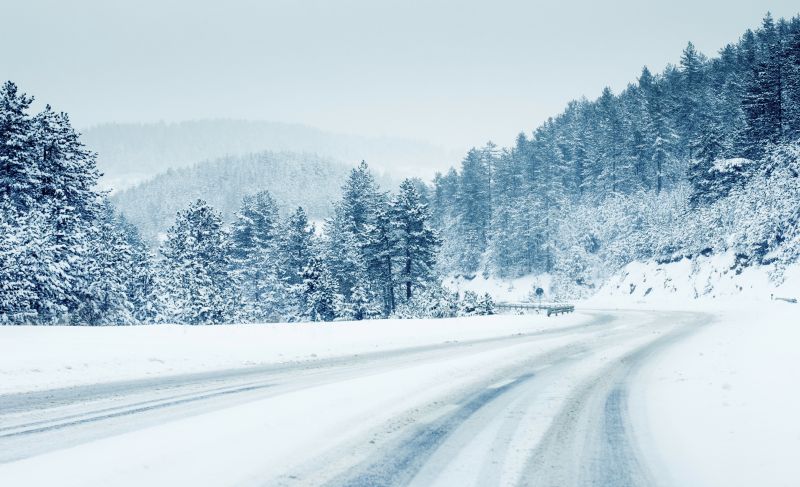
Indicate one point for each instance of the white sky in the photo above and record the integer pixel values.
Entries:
(455, 73)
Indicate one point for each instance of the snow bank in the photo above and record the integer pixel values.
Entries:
(503, 290)
(721, 408)
(33, 358)
(707, 278)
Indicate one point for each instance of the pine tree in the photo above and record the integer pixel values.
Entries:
(25, 276)
(105, 272)
(764, 93)
(296, 250)
(485, 305)
(69, 172)
(295, 247)
(320, 300)
(659, 148)
(473, 208)
(346, 234)
(468, 305)
(381, 251)
(792, 91)
(417, 243)
(199, 283)
(254, 258)
(692, 95)
(47, 190)
(362, 305)
(20, 174)
(142, 280)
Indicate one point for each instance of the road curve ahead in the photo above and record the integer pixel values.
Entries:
(540, 409)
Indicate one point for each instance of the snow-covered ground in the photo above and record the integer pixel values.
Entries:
(713, 277)
(34, 358)
(653, 396)
(722, 408)
(671, 286)
(519, 289)
(471, 407)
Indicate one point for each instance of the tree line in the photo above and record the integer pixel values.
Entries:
(372, 259)
(698, 159)
(67, 257)
(661, 143)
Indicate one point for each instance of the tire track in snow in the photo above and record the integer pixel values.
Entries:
(590, 442)
(45, 399)
(37, 422)
(402, 462)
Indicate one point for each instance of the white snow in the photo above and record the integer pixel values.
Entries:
(34, 358)
(280, 432)
(250, 443)
(715, 277)
(725, 165)
(722, 408)
(519, 289)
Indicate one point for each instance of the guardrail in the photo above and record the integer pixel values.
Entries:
(550, 309)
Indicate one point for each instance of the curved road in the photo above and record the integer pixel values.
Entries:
(538, 409)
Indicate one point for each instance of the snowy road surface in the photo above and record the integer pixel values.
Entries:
(544, 408)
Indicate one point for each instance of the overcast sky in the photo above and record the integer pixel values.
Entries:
(455, 73)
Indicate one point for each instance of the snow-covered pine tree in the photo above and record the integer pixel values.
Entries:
(199, 284)
(660, 137)
(417, 243)
(254, 258)
(764, 92)
(346, 239)
(25, 274)
(50, 204)
(702, 176)
(20, 174)
(792, 77)
(616, 170)
(473, 208)
(486, 305)
(691, 103)
(295, 246)
(320, 300)
(344, 253)
(142, 282)
(296, 249)
(362, 305)
(105, 271)
(468, 304)
(380, 252)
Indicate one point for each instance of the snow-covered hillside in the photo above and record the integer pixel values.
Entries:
(513, 290)
(704, 277)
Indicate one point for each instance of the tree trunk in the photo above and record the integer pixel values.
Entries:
(408, 276)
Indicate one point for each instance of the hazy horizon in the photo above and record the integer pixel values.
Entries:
(453, 75)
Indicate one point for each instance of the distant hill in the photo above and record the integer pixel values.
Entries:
(294, 179)
(131, 153)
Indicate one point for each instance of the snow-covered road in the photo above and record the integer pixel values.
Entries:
(548, 407)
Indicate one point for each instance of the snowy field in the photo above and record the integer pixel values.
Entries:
(35, 358)
(702, 398)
